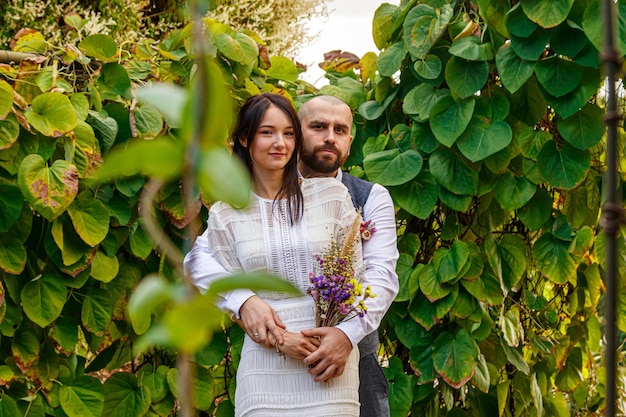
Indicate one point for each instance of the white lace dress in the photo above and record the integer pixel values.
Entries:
(260, 238)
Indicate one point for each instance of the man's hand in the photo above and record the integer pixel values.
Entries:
(331, 356)
(298, 346)
(261, 322)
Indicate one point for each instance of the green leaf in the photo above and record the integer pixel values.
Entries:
(482, 139)
(392, 167)
(65, 333)
(114, 81)
(104, 268)
(455, 357)
(571, 102)
(513, 192)
(594, 26)
(97, 311)
(105, 128)
(43, 298)
(152, 292)
(582, 204)
(553, 258)
(494, 12)
(486, 288)
(571, 376)
(400, 388)
(9, 131)
(585, 128)
(453, 173)
(453, 263)
(423, 26)
(149, 122)
(430, 283)
(547, 14)
(530, 141)
(141, 244)
(100, 47)
(429, 68)
(513, 70)
(51, 114)
(420, 100)
(481, 378)
(390, 60)
(125, 397)
(565, 167)
(217, 168)
(71, 246)
(160, 158)
(537, 211)
(283, 69)
(558, 76)
(8, 406)
(240, 48)
(6, 99)
(11, 203)
(25, 348)
(418, 197)
(385, 22)
(155, 381)
(49, 190)
(470, 48)
(168, 99)
(516, 358)
(90, 218)
(513, 255)
(531, 47)
(449, 118)
(465, 78)
(84, 397)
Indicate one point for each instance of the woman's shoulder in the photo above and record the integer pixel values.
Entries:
(323, 184)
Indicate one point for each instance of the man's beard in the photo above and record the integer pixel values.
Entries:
(319, 163)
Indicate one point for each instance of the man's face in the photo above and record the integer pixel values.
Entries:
(326, 130)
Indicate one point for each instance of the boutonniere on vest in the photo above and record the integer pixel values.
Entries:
(367, 229)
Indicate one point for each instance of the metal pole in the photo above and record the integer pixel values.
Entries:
(612, 211)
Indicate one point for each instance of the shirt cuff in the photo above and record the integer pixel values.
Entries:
(353, 329)
(235, 299)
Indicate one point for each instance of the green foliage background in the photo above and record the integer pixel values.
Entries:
(483, 119)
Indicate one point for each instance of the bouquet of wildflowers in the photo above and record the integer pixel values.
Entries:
(337, 287)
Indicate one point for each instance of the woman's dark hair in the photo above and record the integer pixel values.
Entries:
(248, 122)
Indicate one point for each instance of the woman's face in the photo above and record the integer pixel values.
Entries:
(274, 142)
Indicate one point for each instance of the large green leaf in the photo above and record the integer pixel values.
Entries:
(453, 173)
(419, 196)
(513, 255)
(48, 189)
(553, 258)
(531, 47)
(570, 103)
(494, 12)
(594, 25)
(421, 99)
(156, 381)
(84, 397)
(482, 139)
(8, 406)
(513, 70)
(392, 167)
(390, 60)
(151, 293)
(423, 26)
(9, 131)
(486, 288)
(104, 268)
(25, 348)
(125, 397)
(449, 118)
(537, 211)
(239, 48)
(98, 46)
(69, 243)
(557, 75)
(530, 141)
(148, 121)
(455, 356)
(583, 203)
(386, 21)
(513, 192)
(470, 48)
(168, 99)
(90, 218)
(105, 127)
(6, 99)
(585, 128)
(429, 68)
(281, 69)
(114, 81)
(400, 388)
(43, 298)
(565, 167)
(465, 78)
(12, 255)
(51, 114)
(97, 311)
(431, 285)
(547, 14)
(11, 203)
(217, 168)
(453, 263)
(571, 376)
(527, 103)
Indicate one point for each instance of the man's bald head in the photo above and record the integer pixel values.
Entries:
(305, 108)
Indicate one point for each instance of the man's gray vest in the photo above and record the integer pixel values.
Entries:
(359, 191)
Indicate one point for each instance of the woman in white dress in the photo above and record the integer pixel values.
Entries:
(288, 222)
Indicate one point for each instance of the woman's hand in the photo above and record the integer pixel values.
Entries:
(298, 346)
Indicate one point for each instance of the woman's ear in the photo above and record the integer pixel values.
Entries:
(243, 142)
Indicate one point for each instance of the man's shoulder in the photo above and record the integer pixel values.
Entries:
(347, 178)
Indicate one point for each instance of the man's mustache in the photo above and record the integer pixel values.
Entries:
(327, 147)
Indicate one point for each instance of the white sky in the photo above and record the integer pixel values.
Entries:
(348, 28)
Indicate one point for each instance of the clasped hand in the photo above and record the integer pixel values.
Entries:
(324, 349)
